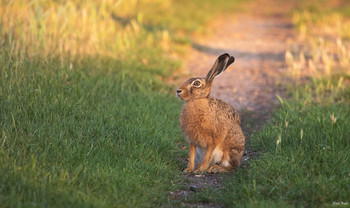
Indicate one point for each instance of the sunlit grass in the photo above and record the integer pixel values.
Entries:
(322, 47)
(69, 28)
(108, 28)
(86, 119)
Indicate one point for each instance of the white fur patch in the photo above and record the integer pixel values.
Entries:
(217, 155)
(225, 163)
(200, 153)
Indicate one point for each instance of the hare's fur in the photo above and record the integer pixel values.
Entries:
(211, 126)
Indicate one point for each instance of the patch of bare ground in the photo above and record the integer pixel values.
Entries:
(257, 39)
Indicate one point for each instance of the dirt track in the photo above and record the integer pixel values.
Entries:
(258, 40)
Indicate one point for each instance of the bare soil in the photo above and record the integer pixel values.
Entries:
(257, 38)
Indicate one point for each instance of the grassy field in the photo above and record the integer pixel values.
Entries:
(73, 135)
(86, 116)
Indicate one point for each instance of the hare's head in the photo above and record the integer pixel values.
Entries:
(199, 87)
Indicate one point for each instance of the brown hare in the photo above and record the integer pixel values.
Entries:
(211, 126)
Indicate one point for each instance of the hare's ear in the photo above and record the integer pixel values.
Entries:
(219, 66)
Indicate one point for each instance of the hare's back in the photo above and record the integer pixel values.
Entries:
(224, 112)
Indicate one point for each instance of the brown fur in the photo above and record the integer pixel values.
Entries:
(210, 124)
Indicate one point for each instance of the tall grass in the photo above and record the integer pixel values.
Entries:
(107, 28)
(322, 46)
(74, 28)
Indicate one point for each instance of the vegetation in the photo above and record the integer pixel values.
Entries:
(76, 136)
(86, 117)
(88, 120)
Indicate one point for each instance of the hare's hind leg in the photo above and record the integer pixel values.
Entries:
(229, 162)
(219, 169)
(223, 166)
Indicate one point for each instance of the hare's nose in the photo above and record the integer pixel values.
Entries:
(178, 91)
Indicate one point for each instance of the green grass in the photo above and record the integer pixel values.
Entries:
(309, 167)
(86, 117)
(72, 135)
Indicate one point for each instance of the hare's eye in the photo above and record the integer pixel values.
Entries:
(196, 83)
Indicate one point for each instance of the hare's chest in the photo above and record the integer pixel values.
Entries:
(191, 124)
(196, 124)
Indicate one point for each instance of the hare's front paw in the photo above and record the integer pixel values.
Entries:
(201, 169)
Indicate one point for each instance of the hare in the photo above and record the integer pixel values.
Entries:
(211, 126)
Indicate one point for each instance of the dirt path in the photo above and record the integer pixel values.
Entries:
(258, 40)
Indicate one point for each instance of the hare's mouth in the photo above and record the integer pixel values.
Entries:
(178, 93)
